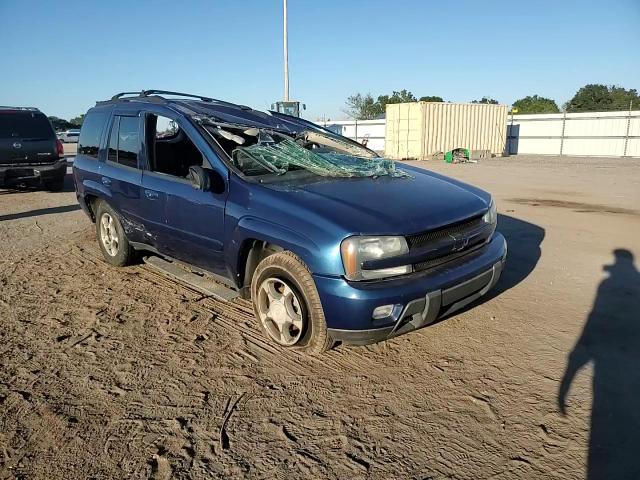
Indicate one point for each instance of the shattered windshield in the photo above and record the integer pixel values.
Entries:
(259, 152)
(280, 157)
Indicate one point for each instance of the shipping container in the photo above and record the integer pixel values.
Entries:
(420, 130)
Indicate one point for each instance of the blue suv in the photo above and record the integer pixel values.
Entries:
(328, 240)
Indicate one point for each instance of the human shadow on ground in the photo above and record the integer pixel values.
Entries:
(611, 341)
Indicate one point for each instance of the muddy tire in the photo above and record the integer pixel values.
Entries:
(287, 305)
(111, 237)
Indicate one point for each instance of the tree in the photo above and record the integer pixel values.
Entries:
(60, 124)
(487, 100)
(536, 104)
(431, 99)
(403, 96)
(363, 107)
(77, 121)
(602, 98)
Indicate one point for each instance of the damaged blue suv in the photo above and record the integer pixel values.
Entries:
(328, 240)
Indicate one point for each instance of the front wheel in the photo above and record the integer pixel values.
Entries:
(287, 305)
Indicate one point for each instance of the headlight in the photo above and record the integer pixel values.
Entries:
(357, 250)
(492, 214)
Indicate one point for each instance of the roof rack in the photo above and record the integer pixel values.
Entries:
(122, 94)
(157, 94)
(146, 93)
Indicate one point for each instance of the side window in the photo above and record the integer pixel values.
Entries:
(171, 151)
(89, 142)
(124, 141)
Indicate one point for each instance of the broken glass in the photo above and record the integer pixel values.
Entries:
(286, 155)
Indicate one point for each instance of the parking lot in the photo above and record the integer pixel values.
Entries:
(118, 373)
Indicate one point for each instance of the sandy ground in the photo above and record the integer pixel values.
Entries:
(122, 373)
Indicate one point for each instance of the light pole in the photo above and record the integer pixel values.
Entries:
(286, 55)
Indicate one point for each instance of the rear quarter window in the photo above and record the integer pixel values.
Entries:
(91, 132)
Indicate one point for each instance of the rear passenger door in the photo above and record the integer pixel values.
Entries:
(120, 174)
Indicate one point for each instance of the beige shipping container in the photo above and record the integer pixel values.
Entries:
(421, 129)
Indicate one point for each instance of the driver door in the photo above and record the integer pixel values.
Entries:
(192, 226)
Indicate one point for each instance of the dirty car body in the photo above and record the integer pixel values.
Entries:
(390, 248)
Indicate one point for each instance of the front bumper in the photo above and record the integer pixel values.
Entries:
(30, 174)
(424, 297)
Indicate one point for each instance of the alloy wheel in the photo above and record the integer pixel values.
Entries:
(109, 234)
(280, 312)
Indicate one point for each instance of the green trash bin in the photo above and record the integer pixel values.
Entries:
(457, 153)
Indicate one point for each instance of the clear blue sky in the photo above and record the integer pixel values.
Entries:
(62, 56)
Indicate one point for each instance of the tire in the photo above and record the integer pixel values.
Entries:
(108, 228)
(55, 185)
(291, 278)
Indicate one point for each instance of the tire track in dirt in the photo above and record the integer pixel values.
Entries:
(133, 372)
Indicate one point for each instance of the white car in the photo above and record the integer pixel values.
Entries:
(69, 136)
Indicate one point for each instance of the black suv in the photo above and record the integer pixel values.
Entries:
(30, 152)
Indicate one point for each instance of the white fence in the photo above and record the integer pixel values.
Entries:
(607, 134)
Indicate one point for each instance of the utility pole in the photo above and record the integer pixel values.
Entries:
(286, 106)
(286, 56)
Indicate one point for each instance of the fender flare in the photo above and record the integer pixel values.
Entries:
(253, 228)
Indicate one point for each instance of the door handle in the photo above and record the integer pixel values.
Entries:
(106, 181)
(150, 194)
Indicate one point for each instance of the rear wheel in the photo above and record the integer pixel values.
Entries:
(111, 237)
(287, 305)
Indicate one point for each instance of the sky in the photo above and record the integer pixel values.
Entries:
(63, 56)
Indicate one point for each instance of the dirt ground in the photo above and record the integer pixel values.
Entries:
(122, 373)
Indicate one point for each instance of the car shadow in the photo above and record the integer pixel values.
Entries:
(610, 340)
(523, 253)
(40, 212)
(68, 183)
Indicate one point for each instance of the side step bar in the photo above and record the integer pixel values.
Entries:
(198, 282)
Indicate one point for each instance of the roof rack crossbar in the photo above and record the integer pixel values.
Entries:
(146, 93)
(122, 94)
(159, 93)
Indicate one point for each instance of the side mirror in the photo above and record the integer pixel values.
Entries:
(199, 178)
(206, 180)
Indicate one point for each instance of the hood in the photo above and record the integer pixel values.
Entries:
(386, 205)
